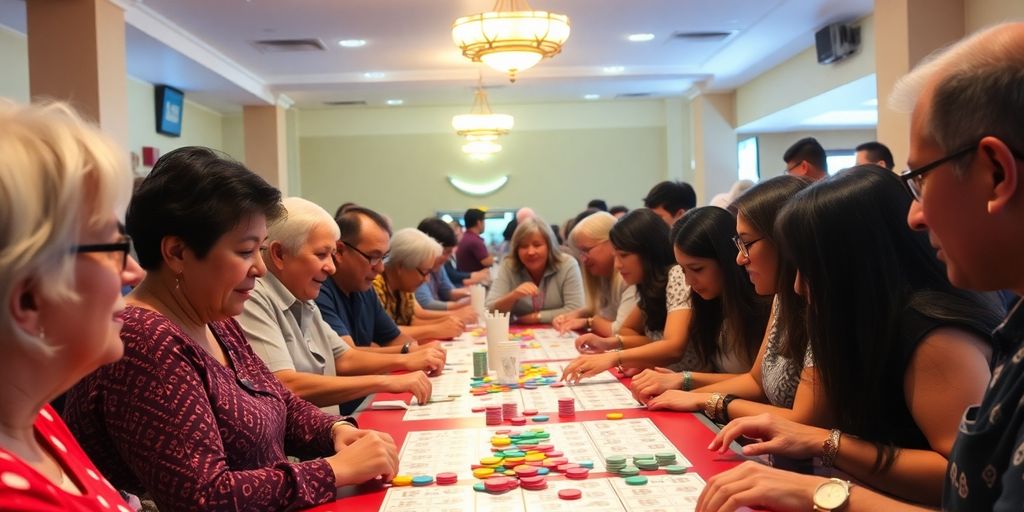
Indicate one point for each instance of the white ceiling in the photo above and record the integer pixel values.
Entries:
(205, 48)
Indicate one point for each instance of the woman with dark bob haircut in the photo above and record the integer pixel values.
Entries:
(190, 415)
(714, 317)
(901, 353)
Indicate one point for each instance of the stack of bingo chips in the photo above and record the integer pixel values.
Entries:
(447, 478)
(566, 407)
(509, 410)
(665, 458)
(480, 364)
(615, 463)
(493, 413)
(645, 462)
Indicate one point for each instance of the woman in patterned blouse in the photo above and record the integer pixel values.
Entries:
(191, 415)
(63, 261)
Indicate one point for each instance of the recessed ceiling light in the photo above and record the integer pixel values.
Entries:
(614, 69)
(373, 74)
(394, 102)
(591, 96)
(640, 38)
(352, 43)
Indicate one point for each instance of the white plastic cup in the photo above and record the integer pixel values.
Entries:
(508, 362)
(497, 332)
(477, 294)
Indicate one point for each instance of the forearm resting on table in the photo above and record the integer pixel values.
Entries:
(363, 362)
(324, 390)
(916, 475)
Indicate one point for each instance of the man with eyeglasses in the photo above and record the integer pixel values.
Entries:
(347, 301)
(967, 179)
(806, 158)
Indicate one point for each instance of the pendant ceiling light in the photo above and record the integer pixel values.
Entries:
(481, 124)
(511, 38)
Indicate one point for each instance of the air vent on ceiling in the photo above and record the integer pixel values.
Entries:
(289, 45)
(703, 36)
(633, 95)
(345, 103)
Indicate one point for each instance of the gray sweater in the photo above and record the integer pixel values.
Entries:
(561, 289)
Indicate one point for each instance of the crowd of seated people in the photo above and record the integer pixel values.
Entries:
(849, 321)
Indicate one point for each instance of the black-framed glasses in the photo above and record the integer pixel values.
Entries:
(124, 247)
(744, 246)
(585, 253)
(423, 273)
(372, 260)
(913, 179)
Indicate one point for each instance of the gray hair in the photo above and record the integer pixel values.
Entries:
(979, 89)
(302, 217)
(58, 174)
(412, 248)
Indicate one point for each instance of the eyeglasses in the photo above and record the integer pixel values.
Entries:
(372, 260)
(743, 246)
(585, 253)
(423, 273)
(913, 179)
(124, 247)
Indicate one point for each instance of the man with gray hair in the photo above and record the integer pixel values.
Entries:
(967, 179)
(285, 328)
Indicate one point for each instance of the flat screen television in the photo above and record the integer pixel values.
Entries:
(170, 106)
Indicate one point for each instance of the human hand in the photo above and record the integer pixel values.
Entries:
(344, 433)
(527, 289)
(415, 382)
(588, 366)
(755, 485)
(676, 400)
(777, 436)
(448, 327)
(430, 360)
(466, 314)
(591, 343)
(373, 454)
(651, 383)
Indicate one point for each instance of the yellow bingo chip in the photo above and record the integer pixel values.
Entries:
(479, 473)
(401, 480)
(614, 416)
(490, 461)
(535, 457)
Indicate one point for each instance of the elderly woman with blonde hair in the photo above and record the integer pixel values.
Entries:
(63, 261)
(609, 299)
(412, 258)
(536, 281)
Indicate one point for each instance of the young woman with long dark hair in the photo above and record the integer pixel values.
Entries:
(716, 322)
(900, 352)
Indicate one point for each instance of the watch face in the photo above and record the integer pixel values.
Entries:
(831, 495)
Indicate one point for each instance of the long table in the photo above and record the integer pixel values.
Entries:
(690, 434)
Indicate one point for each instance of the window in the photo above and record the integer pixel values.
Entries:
(746, 156)
(839, 159)
(494, 223)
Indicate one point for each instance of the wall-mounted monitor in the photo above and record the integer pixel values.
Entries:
(747, 160)
(170, 106)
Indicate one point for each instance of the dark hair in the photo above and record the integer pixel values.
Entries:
(197, 195)
(350, 223)
(618, 209)
(863, 272)
(472, 216)
(439, 230)
(643, 233)
(671, 196)
(576, 220)
(707, 232)
(760, 206)
(877, 152)
(558, 236)
(599, 204)
(343, 208)
(510, 228)
(807, 149)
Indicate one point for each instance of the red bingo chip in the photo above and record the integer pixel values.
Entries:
(570, 494)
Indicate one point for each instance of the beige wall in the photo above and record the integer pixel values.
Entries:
(771, 146)
(801, 77)
(555, 172)
(982, 13)
(558, 157)
(199, 125)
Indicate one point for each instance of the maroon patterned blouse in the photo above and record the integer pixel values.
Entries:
(169, 419)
